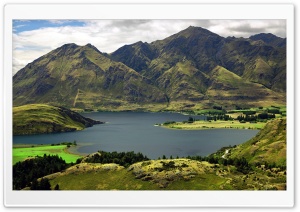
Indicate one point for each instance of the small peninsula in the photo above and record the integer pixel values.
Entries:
(42, 118)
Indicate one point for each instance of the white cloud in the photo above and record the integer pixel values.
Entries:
(109, 35)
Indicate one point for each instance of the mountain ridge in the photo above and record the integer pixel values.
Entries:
(177, 69)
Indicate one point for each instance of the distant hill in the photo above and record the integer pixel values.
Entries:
(184, 69)
(39, 118)
(269, 39)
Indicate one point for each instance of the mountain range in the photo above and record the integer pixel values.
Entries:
(192, 69)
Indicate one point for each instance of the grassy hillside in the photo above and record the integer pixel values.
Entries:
(230, 88)
(41, 118)
(83, 77)
(167, 174)
(269, 145)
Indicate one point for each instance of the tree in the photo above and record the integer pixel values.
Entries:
(190, 120)
(34, 185)
(164, 157)
(44, 184)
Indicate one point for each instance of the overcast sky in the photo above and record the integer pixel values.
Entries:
(34, 38)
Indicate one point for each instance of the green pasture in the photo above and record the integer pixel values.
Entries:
(22, 153)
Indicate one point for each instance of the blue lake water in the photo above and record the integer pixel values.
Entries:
(135, 131)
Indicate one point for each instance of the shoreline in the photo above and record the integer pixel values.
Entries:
(73, 150)
(205, 125)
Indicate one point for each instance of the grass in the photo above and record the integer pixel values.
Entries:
(198, 125)
(22, 153)
(268, 145)
(42, 118)
(194, 176)
(102, 180)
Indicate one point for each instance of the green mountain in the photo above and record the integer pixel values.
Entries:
(192, 69)
(40, 118)
(183, 66)
(81, 76)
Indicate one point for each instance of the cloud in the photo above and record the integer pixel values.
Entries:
(109, 35)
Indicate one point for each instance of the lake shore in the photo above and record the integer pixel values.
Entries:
(205, 125)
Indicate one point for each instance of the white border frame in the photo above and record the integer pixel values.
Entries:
(147, 198)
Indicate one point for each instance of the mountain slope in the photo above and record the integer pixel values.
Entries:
(137, 56)
(262, 64)
(81, 76)
(229, 86)
(269, 145)
(39, 118)
(192, 67)
(269, 39)
(260, 59)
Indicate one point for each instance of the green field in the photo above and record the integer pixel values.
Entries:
(198, 125)
(22, 153)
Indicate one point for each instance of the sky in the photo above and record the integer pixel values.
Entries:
(34, 38)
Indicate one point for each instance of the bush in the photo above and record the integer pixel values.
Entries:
(121, 158)
(169, 122)
(274, 111)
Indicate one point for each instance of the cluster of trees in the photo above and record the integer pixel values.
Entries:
(122, 158)
(43, 184)
(274, 110)
(217, 107)
(66, 143)
(254, 118)
(28, 171)
(219, 117)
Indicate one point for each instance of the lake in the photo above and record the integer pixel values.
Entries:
(135, 131)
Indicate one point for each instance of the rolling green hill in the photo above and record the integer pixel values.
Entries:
(269, 145)
(41, 118)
